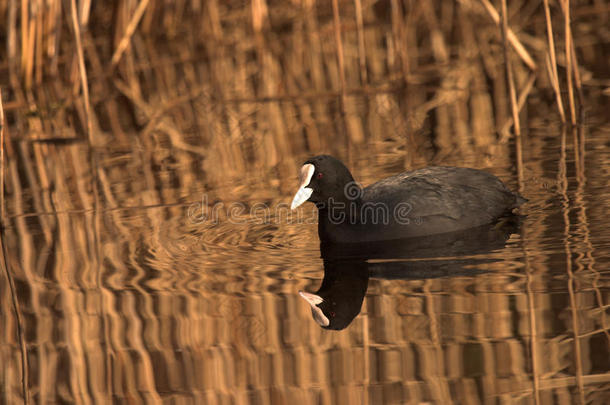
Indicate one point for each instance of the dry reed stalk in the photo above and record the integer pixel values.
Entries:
(3, 252)
(590, 379)
(366, 348)
(131, 28)
(512, 38)
(339, 44)
(531, 307)
(437, 42)
(99, 86)
(54, 30)
(28, 49)
(25, 260)
(41, 178)
(400, 47)
(509, 72)
(361, 48)
(569, 66)
(85, 9)
(11, 43)
(519, 161)
(554, 77)
(38, 65)
(555, 84)
(24, 32)
(581, 178)
(2, 223)
(520, 103)
(577, 79)
(92, 220)
(563, 188)
(441, 393)
(260, 14)
(89, 242)
(19, 319)
(341, 69)
(81, 68)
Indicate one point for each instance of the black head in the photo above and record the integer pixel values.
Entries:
(323, 178)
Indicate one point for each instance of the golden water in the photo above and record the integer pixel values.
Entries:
(132, 295)
(148, 255)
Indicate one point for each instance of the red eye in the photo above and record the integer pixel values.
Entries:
(320, 175)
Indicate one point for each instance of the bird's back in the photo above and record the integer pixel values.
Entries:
(443, 199)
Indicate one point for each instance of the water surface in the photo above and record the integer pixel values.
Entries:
(167, 283)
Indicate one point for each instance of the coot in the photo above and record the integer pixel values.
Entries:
(421, 202)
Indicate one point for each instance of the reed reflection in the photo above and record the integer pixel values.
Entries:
(348, 267)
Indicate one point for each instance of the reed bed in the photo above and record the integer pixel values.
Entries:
(424, 44)
(226, 98)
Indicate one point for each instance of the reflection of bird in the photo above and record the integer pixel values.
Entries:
(340, 296)
(421, 202)
(347, 266)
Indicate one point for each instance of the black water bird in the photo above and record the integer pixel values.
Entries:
(421, 202)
